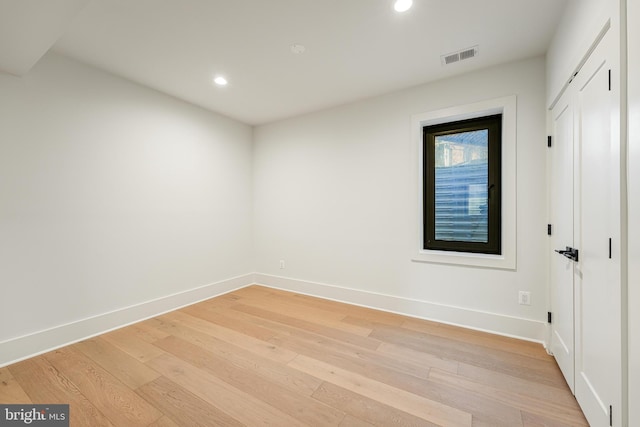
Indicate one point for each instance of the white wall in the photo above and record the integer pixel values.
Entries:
(633, 48)
(335, 196)
(112, 195)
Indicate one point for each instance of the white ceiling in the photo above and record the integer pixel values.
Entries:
(28, 28)
(354, 48)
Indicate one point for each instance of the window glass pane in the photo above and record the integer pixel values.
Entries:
(461, 178)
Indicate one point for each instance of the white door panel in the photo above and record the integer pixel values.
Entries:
(597, 308)
(562, 339)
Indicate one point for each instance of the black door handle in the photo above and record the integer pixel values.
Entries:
(569, 252)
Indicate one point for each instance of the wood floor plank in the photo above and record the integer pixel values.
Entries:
(243, 327)
(278, 373)
(334, 351)
(416, 357)
(364, 360)
(301, 407)
(392, 374)
(44, 384)
(350, 421)
(273, 327)
(530, 368)
(263, 348)
(518, 385)
(237, 404)
(310, 343)
(333, 330)
(366, 409)
(484, 339)
(164, 421)
(114, 399)
(183, 407)
(131, 342)
(424, 408)
(536, 420)
(537, 406)
(309, 314)
(369, 318)
(146, 332)
(10, 390)
(480, 422)
(123, 366)
(379, 316)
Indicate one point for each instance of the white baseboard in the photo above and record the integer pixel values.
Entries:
(20, 348)
(526, 329)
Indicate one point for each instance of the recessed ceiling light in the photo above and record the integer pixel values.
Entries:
(220, 81)
(402, 5)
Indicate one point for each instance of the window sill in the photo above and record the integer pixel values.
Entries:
(502, 262)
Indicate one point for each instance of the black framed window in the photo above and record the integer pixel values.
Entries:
(462, 185)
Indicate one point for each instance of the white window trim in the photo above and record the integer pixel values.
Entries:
(507, 107)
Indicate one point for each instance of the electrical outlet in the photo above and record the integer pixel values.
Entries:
(524, 298)
(281, 264)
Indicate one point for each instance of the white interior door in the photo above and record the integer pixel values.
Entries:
(585, 209)
(561, 189)
(598, 316)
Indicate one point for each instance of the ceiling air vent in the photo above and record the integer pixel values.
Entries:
(460, 55)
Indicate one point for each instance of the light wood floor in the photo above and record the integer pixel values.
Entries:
(260, 356)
